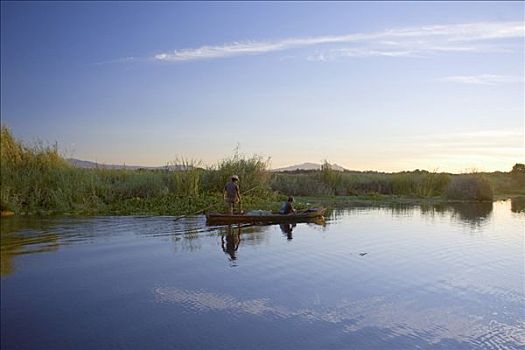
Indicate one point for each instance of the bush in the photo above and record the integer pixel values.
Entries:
(518, 174)
(187, 180)
(252, 171)
(299, 185)
(469, 187)
(31, 176)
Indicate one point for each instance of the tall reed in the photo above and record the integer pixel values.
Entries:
(252, 171)
(470, 186)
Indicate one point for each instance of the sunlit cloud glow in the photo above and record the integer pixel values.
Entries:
(484, 150)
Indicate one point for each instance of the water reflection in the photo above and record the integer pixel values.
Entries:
(390, 314)
(13, 242)
(473, 214)
(230, 242)
(21, 235)
(287, 229)
(186, 234)
(517, 204)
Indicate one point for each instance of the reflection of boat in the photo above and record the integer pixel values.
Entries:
(301, 216)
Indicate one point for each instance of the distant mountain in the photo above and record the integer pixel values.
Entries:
(86, 164)
(308, 166)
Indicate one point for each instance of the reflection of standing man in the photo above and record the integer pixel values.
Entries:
(232, 195)
(231, 245)
(287, 230)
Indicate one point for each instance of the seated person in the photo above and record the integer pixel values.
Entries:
(287, 207)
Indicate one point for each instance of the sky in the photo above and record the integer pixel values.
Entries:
(386, 86)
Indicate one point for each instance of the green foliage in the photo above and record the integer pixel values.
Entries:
(36, 179)
(469, 187)
(332, 182)
(419, 183)
(518, 168)
(299, 185)
(518, 175)
(31, 176)
(187, 181)
(331, 178)
(511, 183)
(252, 171)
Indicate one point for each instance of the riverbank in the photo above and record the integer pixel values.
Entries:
(37, 180)
(194, 206)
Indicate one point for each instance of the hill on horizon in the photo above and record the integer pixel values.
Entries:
(86, 164)
(308, 166)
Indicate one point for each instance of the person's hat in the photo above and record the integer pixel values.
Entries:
(235, 177)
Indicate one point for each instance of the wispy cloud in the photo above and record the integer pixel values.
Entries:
(400, 317)
(483, 79)
(495, 134)
(397, 42)
(119, 60)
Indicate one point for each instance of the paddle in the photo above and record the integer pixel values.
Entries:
(211, 206)
(195, 213)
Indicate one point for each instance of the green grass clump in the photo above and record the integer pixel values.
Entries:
(36, 179)
(469, 187)
(31, 177)
(332, 182)
(252, 171)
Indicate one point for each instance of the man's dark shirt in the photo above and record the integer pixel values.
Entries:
(287, 208)
(232, 190)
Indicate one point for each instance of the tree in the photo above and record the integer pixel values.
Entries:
(518, 168)
(518, 174)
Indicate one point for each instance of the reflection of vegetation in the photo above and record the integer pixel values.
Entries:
(471, 213)
(187, 237)
(517, 204)
(19, 237)
(251, 234)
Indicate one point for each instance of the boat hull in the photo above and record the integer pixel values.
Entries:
(226, 219)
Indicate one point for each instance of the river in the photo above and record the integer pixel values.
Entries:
(372, 277)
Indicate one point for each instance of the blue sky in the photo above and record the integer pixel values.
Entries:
(383, 86)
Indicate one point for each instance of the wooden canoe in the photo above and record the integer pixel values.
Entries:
(274, 218)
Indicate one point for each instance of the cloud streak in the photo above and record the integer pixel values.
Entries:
(397, 42)
(482, 79)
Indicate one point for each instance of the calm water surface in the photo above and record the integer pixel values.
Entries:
(370, 278)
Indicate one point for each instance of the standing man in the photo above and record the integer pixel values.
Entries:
(232, 195)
